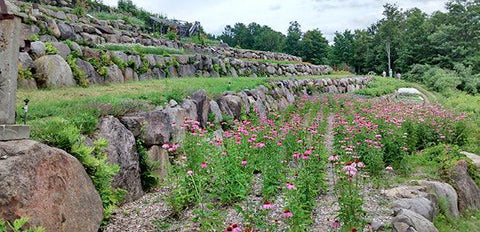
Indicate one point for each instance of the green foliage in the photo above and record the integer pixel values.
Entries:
(34, 38)
(292, 42)
(79, 11)
(253, 36)
(315, 47)
(140, 49)
(148, 167)
(24, 74)
(50, 49)
(78, 74)
(119, 62)
(145, 65)
(382, 86)
(63, 134)
(444, 80)
(171, 35)
(470, 221)
(114, 16)
(18, 226)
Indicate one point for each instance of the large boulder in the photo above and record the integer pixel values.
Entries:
(234, 103)
(474, 158)
(66, 31)
(63, 49)
(160, 155)
(420, 205)
(186, 70)
(53, 70)
(216, 112)
(122, 151)
(178, 115)
(468, 192)
(48, 186)
(446, 192)
(52, 25)
(114, 75)
(190, 109)
(409, 221)
(93, 76)
(203, 106)
(25, 61)
(153, 127)
(37, 49)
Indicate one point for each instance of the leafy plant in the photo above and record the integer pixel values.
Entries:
(148, 167)
(50, 49)
(17, 226)
(79, 75)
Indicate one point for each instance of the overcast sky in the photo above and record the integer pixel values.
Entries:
(327, 15)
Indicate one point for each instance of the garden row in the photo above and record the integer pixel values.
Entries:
(375, 139)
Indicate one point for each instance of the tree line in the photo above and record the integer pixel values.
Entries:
(442, 39)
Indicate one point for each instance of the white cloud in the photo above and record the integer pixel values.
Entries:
(327, 15)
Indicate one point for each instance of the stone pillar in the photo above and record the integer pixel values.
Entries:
(9, 53)
(10, 27)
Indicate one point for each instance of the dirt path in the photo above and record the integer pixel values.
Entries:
(325, 212)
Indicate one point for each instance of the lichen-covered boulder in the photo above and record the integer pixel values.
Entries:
(122, 151)
(37, 49)
(406, 220)
(53, 70)
(48, 186)
(468, 192)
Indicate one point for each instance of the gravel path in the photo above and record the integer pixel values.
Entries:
(325, 212)
(141, 214)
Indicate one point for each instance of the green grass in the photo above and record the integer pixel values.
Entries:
(199, 41)
(83, 106)
(113, 16)
(467, 222)
(274, 61)
(140, 49)
(382, 86)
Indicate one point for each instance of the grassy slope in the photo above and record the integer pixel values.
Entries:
(83, 106)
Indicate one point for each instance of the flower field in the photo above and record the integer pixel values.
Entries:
(269, 174)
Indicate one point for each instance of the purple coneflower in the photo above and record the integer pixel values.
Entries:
(287, 214)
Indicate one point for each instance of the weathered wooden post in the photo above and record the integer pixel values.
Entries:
(10, 27)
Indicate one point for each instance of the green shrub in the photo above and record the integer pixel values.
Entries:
(171, 35)
(145, 65)
(119, 62)
(78, 74)
(50, 49)
(79, 11)
(34, 38)
(148, 167)
(24, 74)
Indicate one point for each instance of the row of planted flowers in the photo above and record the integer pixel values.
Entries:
(272, 170)
(374, 138)
(269, 170)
